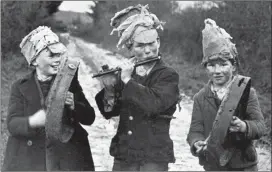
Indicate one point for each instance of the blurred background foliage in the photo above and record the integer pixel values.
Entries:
(19, 18)
(249, 23)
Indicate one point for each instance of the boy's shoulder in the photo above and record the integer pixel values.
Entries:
(23, 79)
(201, 93)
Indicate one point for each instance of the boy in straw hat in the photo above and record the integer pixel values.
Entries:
(28, 148)
(221, 62)
(147, 100)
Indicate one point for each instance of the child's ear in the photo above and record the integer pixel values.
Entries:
(234, 68)
(158, 40)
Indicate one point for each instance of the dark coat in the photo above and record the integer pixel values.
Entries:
(203, 115)
(27, 148)
(143, 135)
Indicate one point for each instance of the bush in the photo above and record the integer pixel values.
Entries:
(18, 18)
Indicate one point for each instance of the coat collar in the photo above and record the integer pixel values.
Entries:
(29, 89)
(209, 95)
(158, 66)
(208, 91)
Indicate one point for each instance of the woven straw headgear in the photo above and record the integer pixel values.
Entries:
(216, 43)
(128, 20)
(37, 40)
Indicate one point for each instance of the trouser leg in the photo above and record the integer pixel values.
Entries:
(154, 166)
(250, 168)
(119, 165)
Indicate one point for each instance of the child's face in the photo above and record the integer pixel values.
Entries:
(47, 62)
(220, 71)
(146, 44)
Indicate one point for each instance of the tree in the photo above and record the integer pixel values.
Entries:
(18, 18)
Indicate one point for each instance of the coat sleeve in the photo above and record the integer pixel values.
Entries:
(156, 98)
(83, 112)
(17, 122)
(99, 101)
(196, 130)
(255, 120)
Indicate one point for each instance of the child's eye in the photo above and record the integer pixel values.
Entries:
(152, 43)
(51, 55)
(55, 55)
(210, 64)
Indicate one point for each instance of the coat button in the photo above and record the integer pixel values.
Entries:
(131, 118)
(71, 66)
(72, 119)
(29, 142)
(129, 132)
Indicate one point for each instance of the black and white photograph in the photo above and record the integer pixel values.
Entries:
(133, 85)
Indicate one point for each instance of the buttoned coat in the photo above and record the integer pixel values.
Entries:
(203, 115)
(143, 134)
(28, 149)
